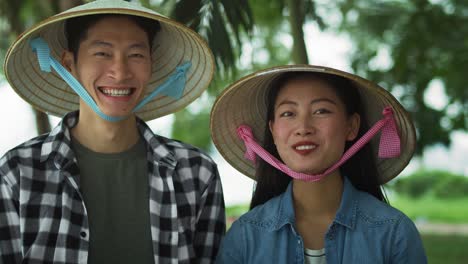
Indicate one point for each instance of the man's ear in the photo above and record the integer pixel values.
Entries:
(68, 60)
(354, 122)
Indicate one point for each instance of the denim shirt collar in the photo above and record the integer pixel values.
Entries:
(346, 214)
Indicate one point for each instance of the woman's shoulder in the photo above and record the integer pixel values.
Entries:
(375, 211)
(264, 215)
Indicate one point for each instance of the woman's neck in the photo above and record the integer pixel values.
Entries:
(319, 199)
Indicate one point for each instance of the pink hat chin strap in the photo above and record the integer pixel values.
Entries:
(389, 147)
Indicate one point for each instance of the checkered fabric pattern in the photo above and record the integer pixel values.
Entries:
(43, 217)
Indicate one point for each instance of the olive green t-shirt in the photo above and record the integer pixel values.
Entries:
(115, 191)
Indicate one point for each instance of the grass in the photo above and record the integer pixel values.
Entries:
(236, 210)
(433, 210)
(446, 249)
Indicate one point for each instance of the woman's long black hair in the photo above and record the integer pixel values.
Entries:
(360, 168)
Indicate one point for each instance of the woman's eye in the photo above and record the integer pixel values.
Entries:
(286, 114)
(137, 55)
(322, 111)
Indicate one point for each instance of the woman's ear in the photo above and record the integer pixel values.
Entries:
(354, 122)
(68, 60)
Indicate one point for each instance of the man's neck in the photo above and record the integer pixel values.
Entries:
(103, 136)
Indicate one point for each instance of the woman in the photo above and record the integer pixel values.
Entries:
(318, 197)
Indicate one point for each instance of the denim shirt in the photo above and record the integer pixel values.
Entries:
(365, 230)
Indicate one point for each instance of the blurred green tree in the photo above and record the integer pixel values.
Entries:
(15, 17)
(262, 37)
(425, 42)
(215, 20)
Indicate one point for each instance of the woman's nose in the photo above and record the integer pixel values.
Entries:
(305, 126)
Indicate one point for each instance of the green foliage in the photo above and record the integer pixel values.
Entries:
(16, 16)
(446, 249)
(439, 184)
(236, 210)
(417, 184)
(425, 42)
(433, 209)
(220, 22)
(452, 187)
(192, 127)
(269, 23)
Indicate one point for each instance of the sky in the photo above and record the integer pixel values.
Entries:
(328, 49)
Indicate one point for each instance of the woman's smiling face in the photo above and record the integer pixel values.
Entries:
(310, 125)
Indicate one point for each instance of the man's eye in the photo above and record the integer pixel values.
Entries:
(102, 54)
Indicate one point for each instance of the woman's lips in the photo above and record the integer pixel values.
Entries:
(304, 147)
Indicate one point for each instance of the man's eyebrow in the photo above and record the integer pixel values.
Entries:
(139, 45)
(101, 43)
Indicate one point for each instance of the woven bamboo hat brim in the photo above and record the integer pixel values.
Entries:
(174, 44)
(244, 102)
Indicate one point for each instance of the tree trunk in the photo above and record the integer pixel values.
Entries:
(296, 21)
(17, 26)
(42, 122)
(64, 5)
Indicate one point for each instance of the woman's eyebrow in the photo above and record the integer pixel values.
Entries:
(314, 101)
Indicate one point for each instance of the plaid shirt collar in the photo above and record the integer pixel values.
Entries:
(59, 139)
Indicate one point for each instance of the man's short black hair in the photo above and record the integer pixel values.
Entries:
(76, 28)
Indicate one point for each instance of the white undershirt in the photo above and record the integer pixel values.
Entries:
(315, 256)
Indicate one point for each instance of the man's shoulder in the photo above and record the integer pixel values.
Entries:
(27, 148)
(183, 150)
(25, 154)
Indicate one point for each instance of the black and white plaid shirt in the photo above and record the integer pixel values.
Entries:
(43, 217)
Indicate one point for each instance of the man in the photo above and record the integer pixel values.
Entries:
(101, 187)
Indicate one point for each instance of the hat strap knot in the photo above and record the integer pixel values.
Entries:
(40, 47)
(389, 147)
(245, 133)
(173, 87)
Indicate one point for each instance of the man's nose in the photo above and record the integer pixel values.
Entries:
(120, 69)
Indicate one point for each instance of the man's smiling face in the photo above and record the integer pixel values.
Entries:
(113, 64)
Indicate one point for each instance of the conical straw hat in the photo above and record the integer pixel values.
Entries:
(244, 102)
(174, 44)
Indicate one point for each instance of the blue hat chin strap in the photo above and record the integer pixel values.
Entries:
(173, 87)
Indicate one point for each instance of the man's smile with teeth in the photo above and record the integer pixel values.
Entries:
(116, 92)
